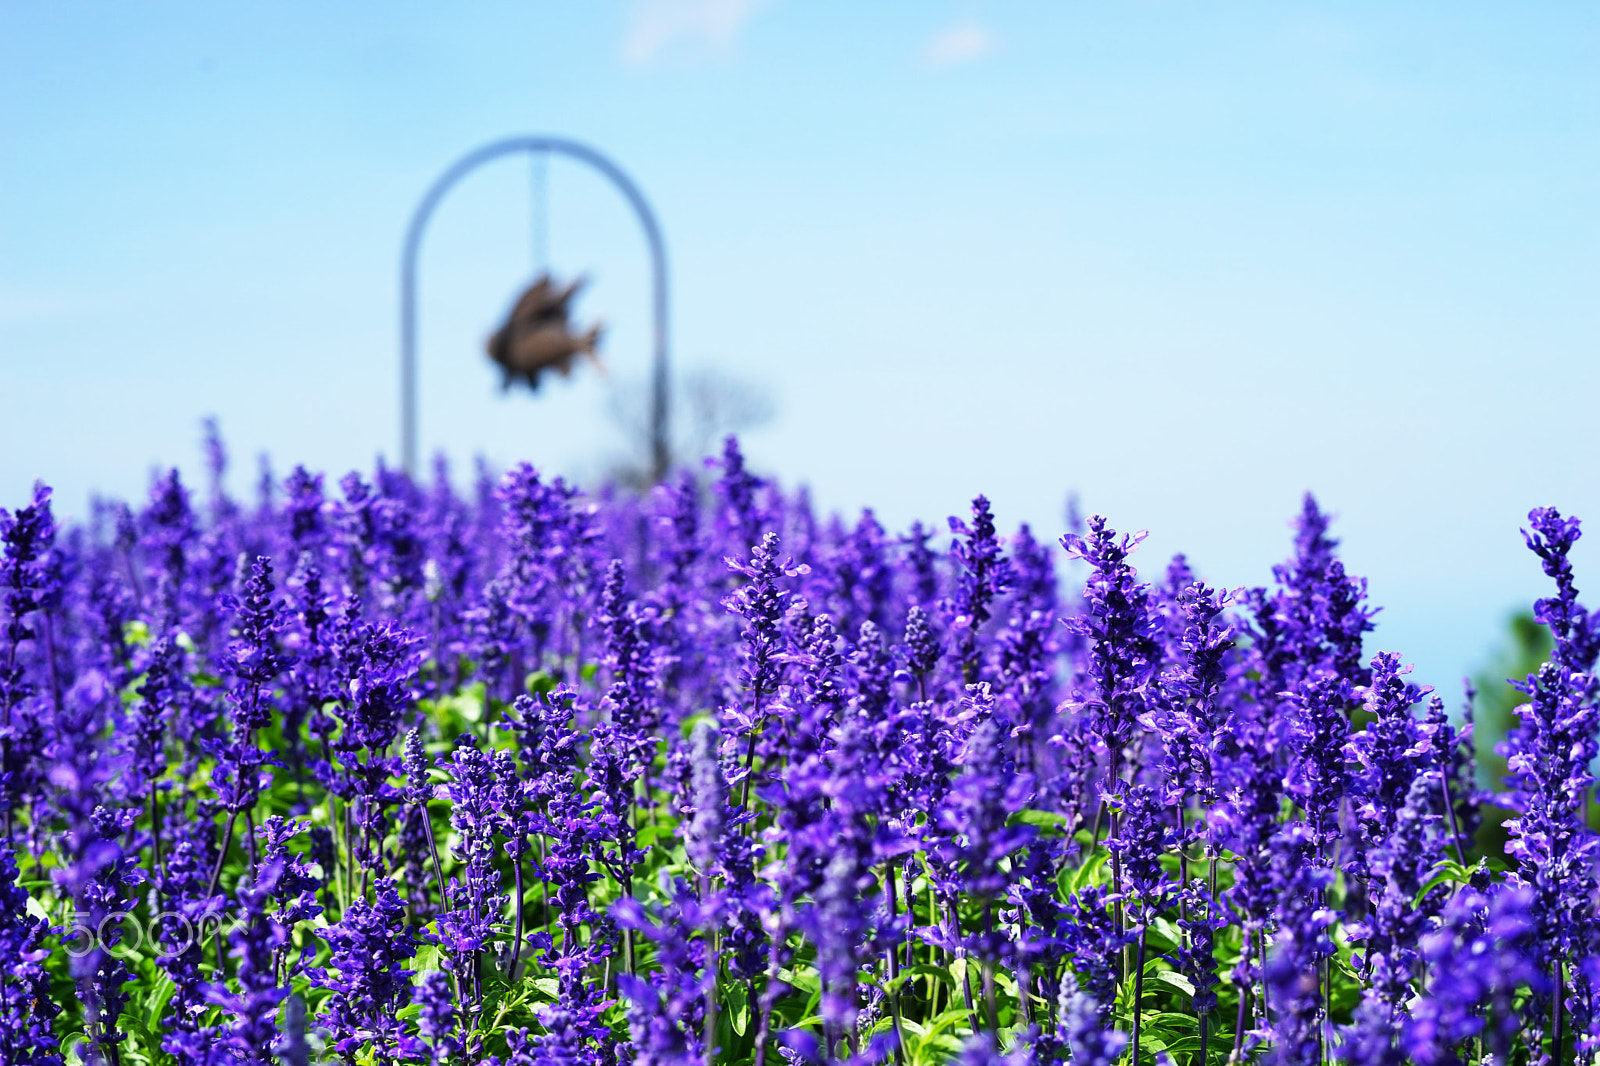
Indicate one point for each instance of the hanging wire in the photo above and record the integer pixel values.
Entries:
(539, 201)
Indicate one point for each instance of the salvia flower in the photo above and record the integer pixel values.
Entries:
(921, 643)
(741, 517)
(870, 802)
(1318, 778)
(1390, 751)
(708, 797)
(1550, 754)
(1478, 960)
(1080, 1020)
(1189, 714)
(29, 580)
(26, 1006)
(1293, 971)
(258, 943)
(376, 672)
(366, 974)
(762, 602)
(985, 574)
(1141, 839)
(1316, 620)
(1120, 624)
(1574, 629)
(436, 1021)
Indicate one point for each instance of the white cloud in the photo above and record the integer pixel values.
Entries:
(702, 26)
(961, 43)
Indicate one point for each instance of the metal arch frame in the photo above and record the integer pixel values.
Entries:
(659, 453)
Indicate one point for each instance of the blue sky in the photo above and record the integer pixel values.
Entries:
(1185, 261)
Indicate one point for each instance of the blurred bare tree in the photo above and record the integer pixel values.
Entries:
(707, 404)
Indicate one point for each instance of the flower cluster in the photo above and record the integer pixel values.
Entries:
(381, 773)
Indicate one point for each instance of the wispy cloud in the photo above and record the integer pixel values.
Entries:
(699, 27)
(961, 43)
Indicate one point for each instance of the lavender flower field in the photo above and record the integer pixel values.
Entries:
(376, 773)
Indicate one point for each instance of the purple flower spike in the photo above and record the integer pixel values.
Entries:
(436, 1022)
(253, 659)
(1120, 623)
(985, 575)
(1317, 777)
(415, 764)
(1315, 622)
(762, 602)
(29, 581)
(1142, 838)
(1574, 629)
(741, 518)
(1550, 753)
(377, 672)
(708, 795)
(1189, 714)
(921, 643)
(1479, 958)
(26, 1006)
(1080, 1021)
(365, 973)
(1293, 971)
(1390, 751)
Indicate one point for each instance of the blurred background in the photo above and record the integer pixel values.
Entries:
(1184, 262)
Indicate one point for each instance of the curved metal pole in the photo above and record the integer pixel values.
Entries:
(659, 456)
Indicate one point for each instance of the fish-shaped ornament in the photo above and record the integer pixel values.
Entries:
(538, 335)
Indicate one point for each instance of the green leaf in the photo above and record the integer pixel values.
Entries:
(469, 704)
(1086, 873)
(938, 973)
(1042, 819)
(1177, 980)
(1164, 936)
(928, 1043)
(156, 1000)
(1446, 871)
(687, 726)
(804, 980)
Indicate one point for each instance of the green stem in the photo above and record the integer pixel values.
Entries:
(954, 917)
(989, 997)
(714, 964)
(750, 752)
(1138, 995)
(893, 964)
(516, 934)
(222, 856)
